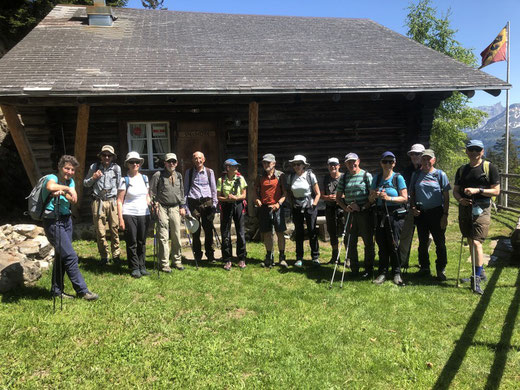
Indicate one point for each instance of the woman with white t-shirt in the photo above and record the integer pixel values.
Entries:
(132, 208)
(303, 186)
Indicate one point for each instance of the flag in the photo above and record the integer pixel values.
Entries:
(496, 51)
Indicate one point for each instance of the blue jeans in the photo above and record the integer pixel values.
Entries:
(59, 234)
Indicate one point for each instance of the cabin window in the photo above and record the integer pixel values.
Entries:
(151, 140)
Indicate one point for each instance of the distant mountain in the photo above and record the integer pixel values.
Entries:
(495, 125)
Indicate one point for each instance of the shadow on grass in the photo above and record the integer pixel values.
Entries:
(30, 292)
(466, 340)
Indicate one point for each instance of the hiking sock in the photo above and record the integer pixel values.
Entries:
(478, 271)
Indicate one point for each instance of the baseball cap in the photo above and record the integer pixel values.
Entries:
(170, 156)
(387, 154)
(333, 161)
(428, 153)
(232, 162)
(268, 157)
(475, 142)
(351, 156)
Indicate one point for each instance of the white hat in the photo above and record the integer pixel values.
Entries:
(416, 148)
(191, 223)
(333, 161)
(299, 157)
(170, 156)
(133, 156)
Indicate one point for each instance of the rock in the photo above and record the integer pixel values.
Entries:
(45, 246)
(44, 265)
(16, 270)
(3, 243)
(7, 229)
(28, 230)
(17, 238)
(29, 247)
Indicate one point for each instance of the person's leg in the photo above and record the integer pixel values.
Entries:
(423, 234)
(163, 227)
(225, 229)
(142, 227)
(311, 216)
(131, 242)
(299, 233)
(406, 238)
(439, 237)
(397, 226)
(238, 218)
(70, 258)
(330, 217)
(207, 217)
(366, 231)
(195, 236)
(113, 223)
(175, 235)
(99, 218)
(353, 241)
(280, 228)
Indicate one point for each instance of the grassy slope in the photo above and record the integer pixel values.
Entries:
(265, 329)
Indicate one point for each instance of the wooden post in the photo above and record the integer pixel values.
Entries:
(17, 131)
(252, 156)
(80, 151)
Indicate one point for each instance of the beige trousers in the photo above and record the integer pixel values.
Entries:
(103, 212)
(169, 226)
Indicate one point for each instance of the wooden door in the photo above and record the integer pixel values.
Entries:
(202, 136)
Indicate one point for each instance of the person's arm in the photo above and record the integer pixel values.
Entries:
(494, 190)
(220, 196)
(213, 187)
(90, 179)
(120, 200)
(58, 189)
(317, 194)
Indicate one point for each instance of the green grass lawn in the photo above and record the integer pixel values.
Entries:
(258, 328)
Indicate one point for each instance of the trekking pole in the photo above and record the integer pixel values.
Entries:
(460, 258)
(473, 261)
(395, 244)
(56, 269)
(339, 250)
(155, 259)
(346, 251)
(217, 238)
(191, 244)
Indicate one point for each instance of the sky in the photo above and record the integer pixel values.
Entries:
(478, 23)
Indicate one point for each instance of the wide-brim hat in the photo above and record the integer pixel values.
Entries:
(170, 156)
(300, 157)
(133, 156)
(416, 148)
(107, 148)
(191, 223)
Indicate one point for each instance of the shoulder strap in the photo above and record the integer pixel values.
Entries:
(486, 169)
(365, 180)
(190, 179)
(394, 180)
(145, 179)
(127, 182)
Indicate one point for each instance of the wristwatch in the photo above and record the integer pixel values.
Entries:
(481, 190)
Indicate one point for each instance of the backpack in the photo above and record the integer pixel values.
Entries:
(35, 203)
(308, 177)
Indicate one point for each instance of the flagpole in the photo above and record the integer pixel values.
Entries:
(506, 165)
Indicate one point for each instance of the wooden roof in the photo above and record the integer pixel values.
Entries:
(168, 52)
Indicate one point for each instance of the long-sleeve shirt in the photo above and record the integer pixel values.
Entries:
(166, 191)
(203, 185)
(106, 186)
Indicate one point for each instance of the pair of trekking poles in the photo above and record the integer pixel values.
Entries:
(473, 265)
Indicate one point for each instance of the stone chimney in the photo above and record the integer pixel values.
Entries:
(100, 14)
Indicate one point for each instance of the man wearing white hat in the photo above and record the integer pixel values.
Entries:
(407, 232)
(167, 192)
(104, 177)
(333, 213)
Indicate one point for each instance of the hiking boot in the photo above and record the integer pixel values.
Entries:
(167, 270)
(316, 262)
(397, 280)
(103, 262)
(423, 273)
(441, 276)
(136, 274)
(269, 260)
(88, 296)
(367, 274)
(144, 272)
(64, 296)
(476, 286)
(334, 257)
(299, 263)
(179, 266)
(483, 278)
(242, 264)
(281, 261)
(116, 260)
(227, 266)
(380, 279)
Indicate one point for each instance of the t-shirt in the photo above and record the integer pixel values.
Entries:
(270, 189)
(64, 202)
(355, 187)
(388, 187)
(474, 177)
(301, 189)
(329, 187)
(427, 189)
(135, 197)
(229, 185)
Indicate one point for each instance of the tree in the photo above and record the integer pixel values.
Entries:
(18, 17)
(497, 155)
(153, 4)
(453, 115)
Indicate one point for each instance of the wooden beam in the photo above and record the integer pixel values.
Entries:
(252, 154)
(17, 130)
(80, 151)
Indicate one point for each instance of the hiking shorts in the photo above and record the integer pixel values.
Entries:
(476, 228)
(267, 220)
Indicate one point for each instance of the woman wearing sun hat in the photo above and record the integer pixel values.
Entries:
(231, 193)
(132, 208)
(305, 194)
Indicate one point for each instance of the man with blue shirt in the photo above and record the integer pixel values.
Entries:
(429, 192)
(200, 190)
(352, 196)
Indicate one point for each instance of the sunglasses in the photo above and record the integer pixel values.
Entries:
(171, 161)
(133, 162)
(387, 161)
(474, 149)
(415, 154)
(296, 164)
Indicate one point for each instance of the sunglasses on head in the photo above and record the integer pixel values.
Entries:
(134, 162)
(474, 149)
(387, 161)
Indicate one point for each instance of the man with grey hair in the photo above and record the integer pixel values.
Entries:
(104, 177)
(167, 193)
(270, 194)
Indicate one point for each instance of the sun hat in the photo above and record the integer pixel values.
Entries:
(351, 156)
(133, 156)
(475, 142)
(333, 161)
(387, 154)
(269, 157)
(416, 148)
(428, 153)
(170, 156)
(299, 157)
(107, 148)
(232, 162)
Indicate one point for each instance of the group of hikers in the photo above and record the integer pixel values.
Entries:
(387, 206)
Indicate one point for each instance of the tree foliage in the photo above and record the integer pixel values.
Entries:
(453, 115)
(497, 155)
(153, 4)
(18, 17)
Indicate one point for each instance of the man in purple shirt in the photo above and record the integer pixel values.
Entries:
(201, 198)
